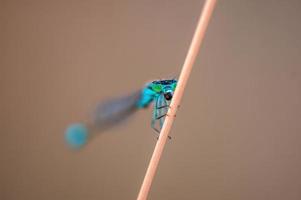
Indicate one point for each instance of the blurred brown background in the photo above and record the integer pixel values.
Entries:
(237, 134)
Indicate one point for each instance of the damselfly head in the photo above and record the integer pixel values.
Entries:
(165, 87)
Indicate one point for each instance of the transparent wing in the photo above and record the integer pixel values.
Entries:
(160, 108)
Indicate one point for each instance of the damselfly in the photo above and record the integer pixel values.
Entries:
(114, 111)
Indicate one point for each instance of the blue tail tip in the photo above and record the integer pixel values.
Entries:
(76, 135)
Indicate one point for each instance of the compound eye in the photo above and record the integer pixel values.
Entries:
(157, 88)
(168, 96)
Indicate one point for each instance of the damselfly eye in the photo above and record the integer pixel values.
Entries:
(157, 87)
(168, 96)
